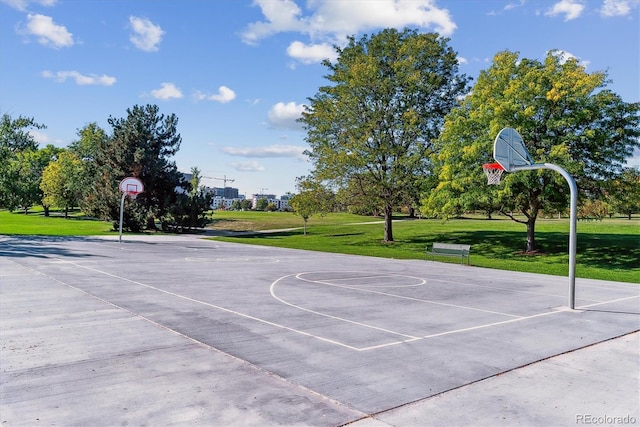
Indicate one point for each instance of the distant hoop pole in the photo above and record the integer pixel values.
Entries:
(121, 216)
(573, 188)
(130, 186)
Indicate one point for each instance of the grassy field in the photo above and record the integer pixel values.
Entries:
(607, 250)
(35, 223)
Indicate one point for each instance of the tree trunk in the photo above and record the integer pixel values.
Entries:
(46, 210)
(151, 223)
(531, 234)
(388, 217)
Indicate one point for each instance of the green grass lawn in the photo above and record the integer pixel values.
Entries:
(35, 223)
(607, 250)
(256, 221)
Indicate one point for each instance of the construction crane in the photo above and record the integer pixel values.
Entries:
(224, 180)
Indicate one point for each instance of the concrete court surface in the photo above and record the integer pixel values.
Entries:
(165, 330)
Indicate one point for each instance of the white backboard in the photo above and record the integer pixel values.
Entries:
(131, 185)
(509, 150)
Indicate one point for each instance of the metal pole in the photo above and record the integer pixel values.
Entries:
(121, 215)
(573, 218)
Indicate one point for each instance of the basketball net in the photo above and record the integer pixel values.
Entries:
(493, 171)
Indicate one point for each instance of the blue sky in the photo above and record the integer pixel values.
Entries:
(238, 72)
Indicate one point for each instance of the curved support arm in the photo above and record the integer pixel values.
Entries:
(573, 188)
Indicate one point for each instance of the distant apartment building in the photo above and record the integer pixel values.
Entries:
(223, 198)
(281, 204)
(220, 202)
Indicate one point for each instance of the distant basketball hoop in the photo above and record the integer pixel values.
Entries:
(130, 187)
(493, 171)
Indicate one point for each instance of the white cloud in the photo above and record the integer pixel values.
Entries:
(329, 22)
(571, 9)
(80, 79)
(271, 151)
(23, 4)
(146, 36)
(514, 5)
(223, 96)
(167, 91)
(250, 166)
(40, 137)
(280, 16)
(309, 54)
(564, 56)
(48, 32)
(616, 7)
(284, 116)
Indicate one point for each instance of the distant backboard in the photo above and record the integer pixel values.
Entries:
(131, 186)
(509, 150)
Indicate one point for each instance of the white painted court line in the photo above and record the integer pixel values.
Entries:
(421, 281)
(217, 307)
(500, 288)
(410, 338)
(405, 297)
(342, 319)
(607, 302)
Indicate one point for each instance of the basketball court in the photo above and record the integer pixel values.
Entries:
(180, 330)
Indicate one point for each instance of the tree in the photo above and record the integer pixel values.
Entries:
(190, 209)
(85, 148)
(565, 115)
(23, 174)
(624, 192)
(312, 199)
(15, 138)
(140, 146)
(61, 183)
(261, 204)
(376, 123)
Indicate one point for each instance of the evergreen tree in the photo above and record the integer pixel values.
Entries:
(141, 146)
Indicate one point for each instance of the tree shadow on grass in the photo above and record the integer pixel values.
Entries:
(607, 251)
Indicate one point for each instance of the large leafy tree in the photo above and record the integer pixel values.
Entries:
(23, 174)
(62, 181)
(86, 148)
(376, 122)
(141, 146)
(15, 138)
(565, 115)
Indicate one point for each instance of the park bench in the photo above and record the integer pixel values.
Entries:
(449, 249)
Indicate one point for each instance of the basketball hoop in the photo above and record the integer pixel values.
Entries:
(493, 172)
(131, 187)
